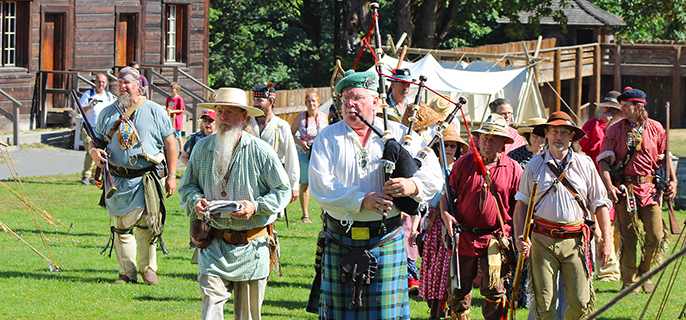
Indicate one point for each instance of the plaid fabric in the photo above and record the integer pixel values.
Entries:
(384, 298)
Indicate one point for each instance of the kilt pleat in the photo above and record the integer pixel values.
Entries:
(384, 298)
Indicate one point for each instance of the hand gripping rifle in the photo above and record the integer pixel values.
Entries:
(417, 99)
(673, 224)
(107, 182)
(454, 271)
(522, 256)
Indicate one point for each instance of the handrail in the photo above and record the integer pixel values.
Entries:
(14, 116)
(82, 78)
(184, 89)
(196, 80)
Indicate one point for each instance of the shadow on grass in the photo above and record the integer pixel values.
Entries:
(51, 231)
(163, 299)
(287, 304)
(63, 275)
(193, 276)
(611, 290)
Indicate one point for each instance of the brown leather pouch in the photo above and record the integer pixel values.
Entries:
(200, 234)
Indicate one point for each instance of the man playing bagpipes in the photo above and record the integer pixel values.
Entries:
(138, 133)
(362, 223)
(569, 189)
(482, 213)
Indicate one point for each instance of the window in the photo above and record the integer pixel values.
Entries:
(176, 33)
(13, 32)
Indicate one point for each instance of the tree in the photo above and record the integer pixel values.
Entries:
(648, 19)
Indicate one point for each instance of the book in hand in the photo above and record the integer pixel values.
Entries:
(223, 208)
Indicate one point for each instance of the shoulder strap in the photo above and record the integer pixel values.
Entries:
(561, 177)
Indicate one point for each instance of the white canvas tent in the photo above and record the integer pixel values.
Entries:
(479, 87)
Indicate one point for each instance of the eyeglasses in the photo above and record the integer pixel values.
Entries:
(451, 145)
(355, 99)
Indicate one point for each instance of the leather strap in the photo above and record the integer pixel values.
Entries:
(562, 178)
(239, 237)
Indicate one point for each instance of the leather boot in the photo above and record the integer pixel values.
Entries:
(150, 277)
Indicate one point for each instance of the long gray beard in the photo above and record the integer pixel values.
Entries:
(125, 100)
(225, 144)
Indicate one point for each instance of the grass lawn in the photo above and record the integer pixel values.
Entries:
(83, 288)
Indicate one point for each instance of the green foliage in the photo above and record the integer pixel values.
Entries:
(648, 19)
(259, 41)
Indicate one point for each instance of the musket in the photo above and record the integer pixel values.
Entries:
(108, 183)
(379, 54)
(417, 99)
(673, 224)
(454, 271)
(522, 256)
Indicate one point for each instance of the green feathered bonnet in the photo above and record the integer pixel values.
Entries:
(352, 79)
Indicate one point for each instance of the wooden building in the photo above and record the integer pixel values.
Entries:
(57, 45)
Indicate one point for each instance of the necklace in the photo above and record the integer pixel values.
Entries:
(635, 136)
(487, 160)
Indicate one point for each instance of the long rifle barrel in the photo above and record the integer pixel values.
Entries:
(522, 257)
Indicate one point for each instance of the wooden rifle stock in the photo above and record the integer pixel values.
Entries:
(108, 183)
(522, 257)
(673, 224)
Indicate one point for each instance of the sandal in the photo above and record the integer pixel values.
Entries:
(306, 219)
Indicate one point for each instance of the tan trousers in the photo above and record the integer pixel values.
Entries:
(88, 163)
(651, 216)
(563, 257)
(126, 245)
(247, 300)
(610, 272)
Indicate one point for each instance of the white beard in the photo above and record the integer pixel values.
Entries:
(125, 100)
(225, 143)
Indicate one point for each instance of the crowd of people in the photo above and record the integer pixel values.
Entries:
(386, 199)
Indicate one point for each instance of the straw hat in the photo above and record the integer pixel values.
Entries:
(425, 117)
(495, 125)
(441, 105)
(232, 97)
(450, 134)
(530, 124)
(559, 118)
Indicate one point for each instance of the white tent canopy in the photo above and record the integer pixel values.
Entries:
(479, 87)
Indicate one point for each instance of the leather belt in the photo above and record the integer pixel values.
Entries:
(362, 230)
(124, 172)
(477, 231)
(238, 237)
(637, 179)
(557, 233)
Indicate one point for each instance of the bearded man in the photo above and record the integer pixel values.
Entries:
(143, 129)
(235, 166)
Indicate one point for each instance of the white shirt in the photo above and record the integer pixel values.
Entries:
(101, 101)
(277, 133)
(339, 182)
(559, 204)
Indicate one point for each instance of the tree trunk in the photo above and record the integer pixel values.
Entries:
(425, 29)
(404, 22)
(357, 21)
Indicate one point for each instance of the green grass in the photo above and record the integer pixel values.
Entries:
(83, 288)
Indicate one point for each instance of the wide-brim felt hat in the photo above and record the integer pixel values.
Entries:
(610, 100)
(232, 97)
(495, 125)
(450, 134)
(530, 124)
(425, 117)
(559, 118)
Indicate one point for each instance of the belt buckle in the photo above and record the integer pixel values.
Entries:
(126, 170)
(555, 231)
(359, 233)
(235, 237)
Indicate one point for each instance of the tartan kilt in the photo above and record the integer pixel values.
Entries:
(385, 297)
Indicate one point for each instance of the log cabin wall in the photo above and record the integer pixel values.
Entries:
(96, 35)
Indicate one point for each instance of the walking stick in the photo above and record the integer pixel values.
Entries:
(522, 256)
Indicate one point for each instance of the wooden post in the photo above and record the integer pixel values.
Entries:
(15, 123)
(577, 86)
(595, 83)
(42, 118)
(676, 112)
(617, 68)
(176, 74)
(557, 83)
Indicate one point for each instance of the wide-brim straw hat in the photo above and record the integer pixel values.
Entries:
(530, 124)
(440, 104)
(495, 125)
(232, 97)
(425, 117)
(559, 118)
(450, 134)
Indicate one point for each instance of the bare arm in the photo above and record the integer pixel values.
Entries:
(612, 191)
(171, 153)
